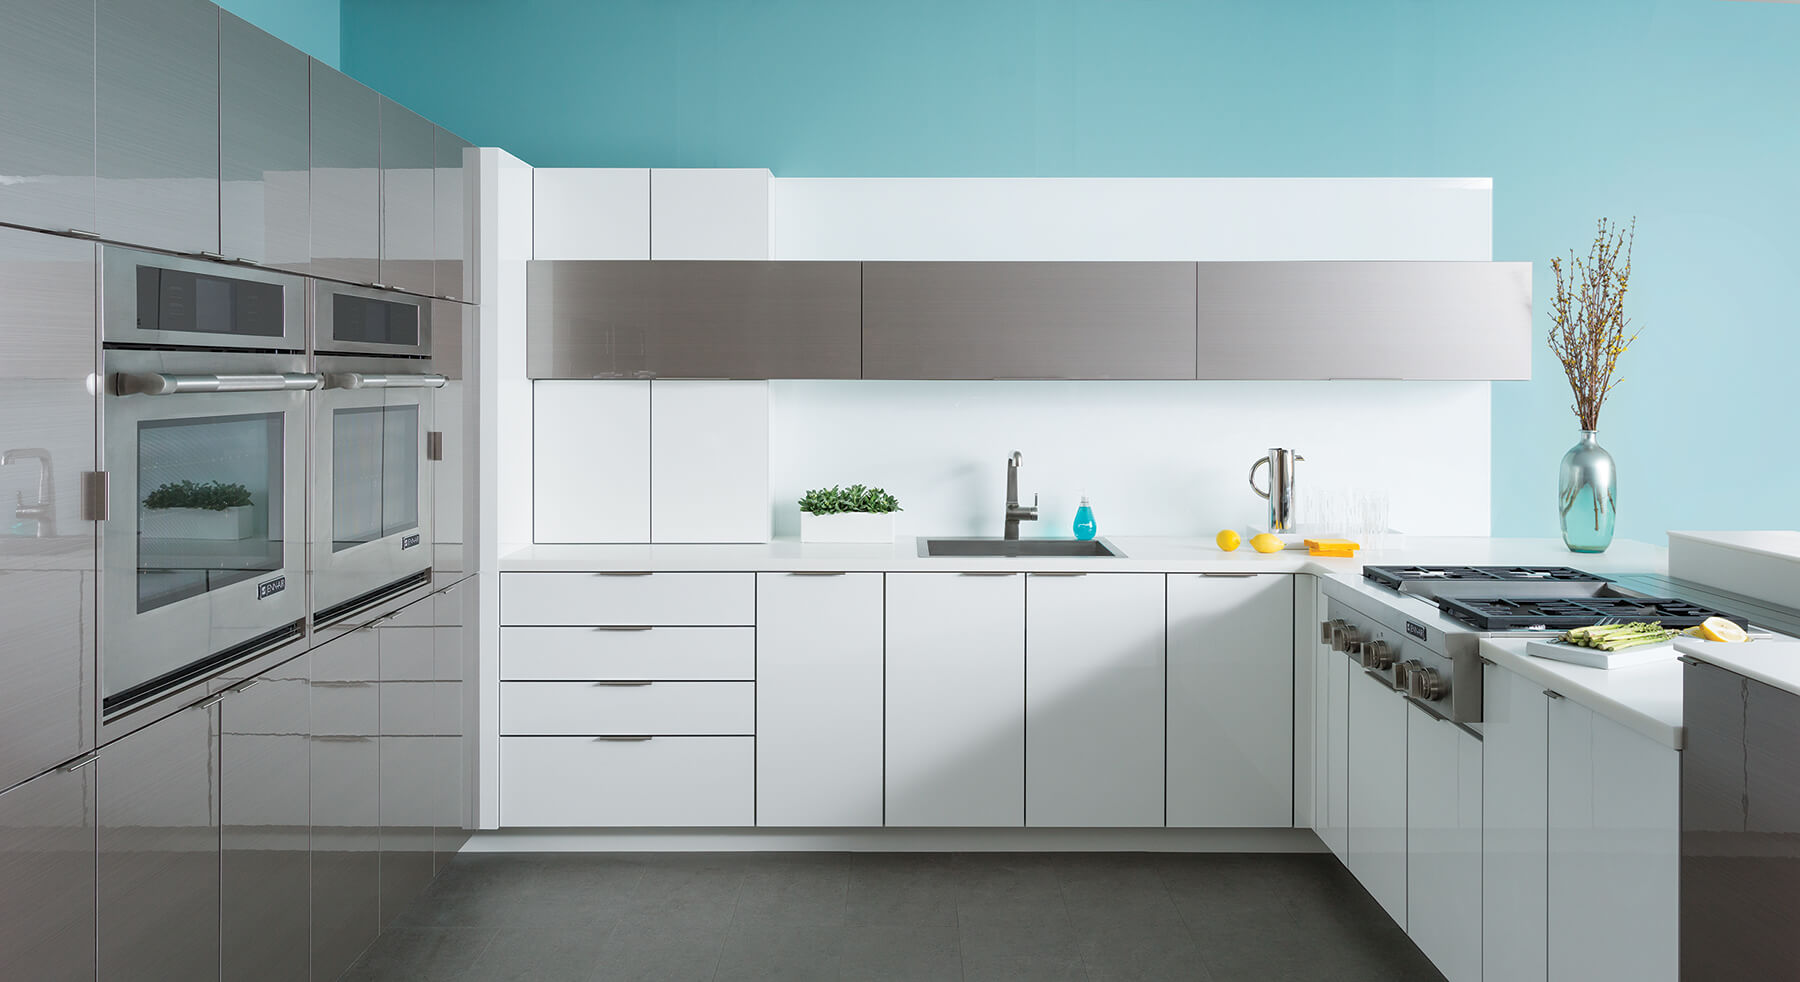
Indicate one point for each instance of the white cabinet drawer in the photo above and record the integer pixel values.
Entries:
(662, 599)
(572, 782)
(699, 654)
(656, 708)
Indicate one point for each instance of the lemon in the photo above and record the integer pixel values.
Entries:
(1720, 629)
(1228, 540)
(1266, 543)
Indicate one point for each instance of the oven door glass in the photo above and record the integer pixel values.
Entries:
(349, 320)
(210, 504)
(169, 300)
(375, 460)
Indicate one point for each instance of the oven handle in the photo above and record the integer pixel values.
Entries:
(159, 384)
(360, 380)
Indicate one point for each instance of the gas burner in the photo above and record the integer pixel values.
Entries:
(1562, 613)
(1487, 581)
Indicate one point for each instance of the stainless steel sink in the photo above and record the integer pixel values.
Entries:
(1018, 548)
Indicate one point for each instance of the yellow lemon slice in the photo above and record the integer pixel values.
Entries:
(1228, 540)
(1266, 543)
(1720, 629)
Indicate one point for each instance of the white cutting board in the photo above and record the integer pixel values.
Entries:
(1575, 654)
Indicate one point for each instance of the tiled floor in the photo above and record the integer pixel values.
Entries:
(675, 917)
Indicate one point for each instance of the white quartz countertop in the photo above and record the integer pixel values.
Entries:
(1645, 698)
(1771, 662)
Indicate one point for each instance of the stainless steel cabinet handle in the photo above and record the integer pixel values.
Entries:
(366, 380)
(622, 739)
(1553, 695)
(1056, 573)
(160, 384)
(623, 627)
(971, 572)
(1231, 576)
(325, 684)
(336, 738)
(613, 572)
(623, 684)
(816, 572)
(213, 700)
(247, 686)
(80, 762)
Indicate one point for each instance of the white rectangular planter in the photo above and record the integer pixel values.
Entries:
(855, 526)
(197, 523)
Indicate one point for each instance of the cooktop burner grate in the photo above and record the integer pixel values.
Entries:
(1395, 576)
(1562, 613)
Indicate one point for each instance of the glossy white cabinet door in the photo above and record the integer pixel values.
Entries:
(1335, 669)
(1443, 844)
(710, 213)
(580, 782)
(590, 213)
(709, 461)
(1231, 701)
(1377, 788)
(1615, 829)
(818, 700)
(1515, 734)
(1094, 646)
(955, 744)
(591, 461)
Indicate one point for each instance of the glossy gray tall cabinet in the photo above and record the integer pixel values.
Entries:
(408, 200)
(455, 275)
(47, 877)
(157, 124)
(346, 177)
(47, 140)
(346, 794)
(264, 137)
(265, 834)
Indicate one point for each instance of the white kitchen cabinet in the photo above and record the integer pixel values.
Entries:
(1094, 646)
(1334, 750)
(627, 708)
(575, 782)
(1515, 732)
(1376, 838)
(955, 728)
(1443, 844)
(590, 213)
(819, 700)
(1230, 701)
(709, 461)
(695, 654)
(710, 213)
(628, 599)
(1614, 807)
(591, 461)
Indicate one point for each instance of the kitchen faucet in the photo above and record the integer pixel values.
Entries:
(43, 512)
(1014, 513)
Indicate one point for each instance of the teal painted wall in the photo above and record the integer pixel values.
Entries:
(1685, 113)
(310, 25)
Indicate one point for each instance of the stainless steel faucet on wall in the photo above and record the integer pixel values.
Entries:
(1014, 513)
(43, 511)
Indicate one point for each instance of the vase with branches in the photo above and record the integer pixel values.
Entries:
(1589, 331)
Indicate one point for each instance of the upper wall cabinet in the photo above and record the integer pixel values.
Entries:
(1394, 320)
(980, 320)
(47, 114)
(408, 200)
(455, 278)
(710, 213)
(346, 177)
(590, 213)
(157, 123)
(747, 320)
(264, 180)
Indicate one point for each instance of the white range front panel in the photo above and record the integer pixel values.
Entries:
(591, 461)
(709, 461)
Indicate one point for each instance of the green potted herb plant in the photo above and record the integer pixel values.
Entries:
(190, 510)
(852, 514)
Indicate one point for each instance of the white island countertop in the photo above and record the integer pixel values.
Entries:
(1645, 698)
(1771, 662)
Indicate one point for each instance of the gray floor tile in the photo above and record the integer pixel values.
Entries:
(538, 955)
(922, 948)
(421, 954)
(807, 891)
(900, 888)
(1125, 923)
(793, 951)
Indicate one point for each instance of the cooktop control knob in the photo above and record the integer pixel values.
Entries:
(1425, 683)
(1377, 655)
(1403, 673)
(1344, 637)
(1328, 630)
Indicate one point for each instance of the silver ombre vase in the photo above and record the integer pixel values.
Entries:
(1588, 496)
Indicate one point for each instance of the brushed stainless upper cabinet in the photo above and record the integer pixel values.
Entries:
(47, 567)
(1390, 320)
(408, 200)
(455, 270)
(47, 877)
(264, 179)
(47, 114)
(692, 319)
(157, 124)
(346, 177)
(982, 320)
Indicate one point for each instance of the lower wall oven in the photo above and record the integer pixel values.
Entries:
(372, 437)
(203, 550)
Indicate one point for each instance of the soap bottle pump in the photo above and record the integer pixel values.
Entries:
(1084, 520)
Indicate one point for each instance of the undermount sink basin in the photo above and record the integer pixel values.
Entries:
(1018, 548)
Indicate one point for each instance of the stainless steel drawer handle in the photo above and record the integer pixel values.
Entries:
(366, 380)
(247, 686)
(80, 762)
(815, 572)
(1553, 695)
(160, 384)
(622, 739)
(1058, 573)
(970, 572)
(1231, 576)
(623, 627)
(611, 572)
(627, 685)
(335, 738)
(330, 684)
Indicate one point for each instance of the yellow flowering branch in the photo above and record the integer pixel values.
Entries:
(1587, 314)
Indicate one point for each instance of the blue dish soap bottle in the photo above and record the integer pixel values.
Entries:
(1084, 521)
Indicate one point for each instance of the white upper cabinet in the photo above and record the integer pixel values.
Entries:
(709, 461)
(590, 213)
(1094, 700)
(818, 700)
(1231, 683)
(1514, 854)
(711, 213)
(1443, 844)
(591, 461)
(955, 700)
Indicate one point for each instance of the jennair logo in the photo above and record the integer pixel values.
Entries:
(409, 541)
(269, 588)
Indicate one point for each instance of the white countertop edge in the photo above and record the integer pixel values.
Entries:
(1770, 662)
(1643, 698)
(1742, 541)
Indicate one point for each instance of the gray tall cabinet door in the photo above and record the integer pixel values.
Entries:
(346, 177)
(157, 127)
(457, 609)
(47, 878)
(409, 745)
(982, 320)
(264, 829)
(47, 330)
(408, 200)
(159, 850)
(346, 795)
(455, 272)
(47, 114)
(454, 473)
(264, 159)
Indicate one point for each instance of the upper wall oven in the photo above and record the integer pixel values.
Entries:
(169, 301)
(363, 320)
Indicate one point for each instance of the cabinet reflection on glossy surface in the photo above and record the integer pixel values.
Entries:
(264, 834)
(264, 164)
(47, 141)
(346, 795)
(47, 878)
(408, 749)
(408, 199)
(346, 177)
